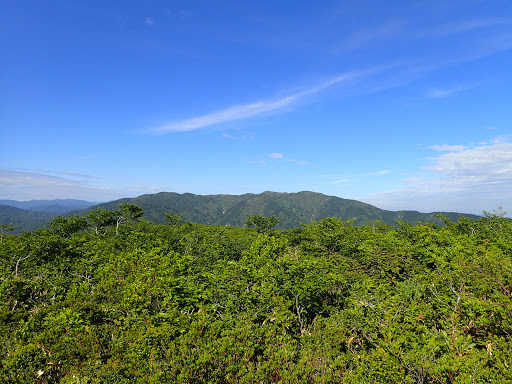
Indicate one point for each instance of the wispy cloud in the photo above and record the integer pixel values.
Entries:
(87, 157)
(277, 156)
(463, 26)
(245, 136)
(367, 36)
(437, 93)
(447, 148)
(379, 173)
(479, 177)
(33, 185)
(79, 175)
(474, 49)
(245, 111)
(299, 162)
(338, 182)
(497, 38)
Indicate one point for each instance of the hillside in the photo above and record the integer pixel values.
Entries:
(33, 214)
(22, 219)
(291, 208)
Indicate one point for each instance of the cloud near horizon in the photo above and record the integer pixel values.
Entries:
(482, 174)
(22, 185)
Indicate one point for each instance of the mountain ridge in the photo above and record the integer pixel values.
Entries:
(292, 208)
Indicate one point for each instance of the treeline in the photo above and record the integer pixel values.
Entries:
(113, 298)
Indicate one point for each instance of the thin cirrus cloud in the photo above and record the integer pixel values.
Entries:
(447, 148)
(368, 36)
(79, 175)
(439, 93)
(464, 26)
(379, 173)
(245, 111)
(278, 156)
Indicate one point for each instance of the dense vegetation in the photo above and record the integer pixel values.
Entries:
(116, 299)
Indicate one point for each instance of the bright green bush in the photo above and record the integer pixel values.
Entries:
(127, 301)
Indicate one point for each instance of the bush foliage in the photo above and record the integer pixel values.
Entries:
(116, 299)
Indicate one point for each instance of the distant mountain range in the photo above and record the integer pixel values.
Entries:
(30, 215)
(291, 208)
(49, 206)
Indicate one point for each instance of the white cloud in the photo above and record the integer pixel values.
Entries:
(244, 111)
(447, 148)
(149, 21)
(470, 180)
(489, 161)
(276, 155)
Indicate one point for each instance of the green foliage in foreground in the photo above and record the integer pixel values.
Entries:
(116, 299)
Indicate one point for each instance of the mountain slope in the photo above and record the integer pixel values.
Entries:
(291, 208)
(22, 219)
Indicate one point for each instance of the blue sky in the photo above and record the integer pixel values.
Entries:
(404, 105)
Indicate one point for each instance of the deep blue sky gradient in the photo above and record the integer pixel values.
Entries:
(405, 105)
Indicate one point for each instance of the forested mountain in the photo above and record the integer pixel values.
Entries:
(33, 214)
(22, 219)
(291, 208)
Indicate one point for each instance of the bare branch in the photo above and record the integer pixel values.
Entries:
(18, 263)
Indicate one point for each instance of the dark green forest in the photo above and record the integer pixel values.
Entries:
(115, 298)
